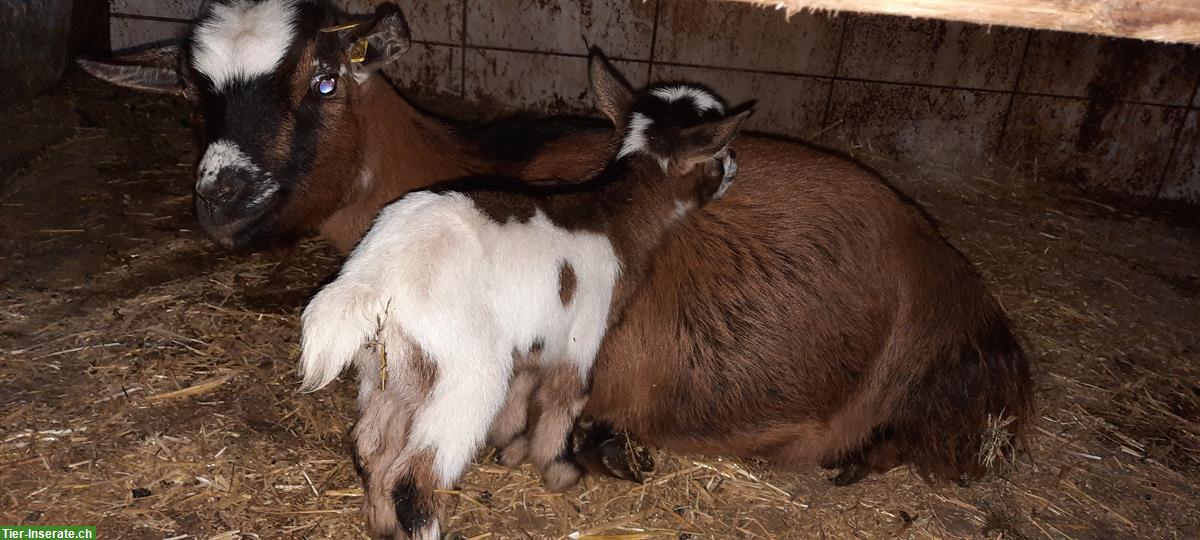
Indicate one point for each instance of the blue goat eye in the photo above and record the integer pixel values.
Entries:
(325, 85)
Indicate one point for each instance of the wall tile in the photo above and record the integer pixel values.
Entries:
(931, 52)
(623, 28)
(732, 34)
(1182, 181)
(429, 20)
(174, 9)
(1122, 148)
(127, 34)
(788, 105)
(428, 70)
(914, 123)
(1110, 69)
(511, 81)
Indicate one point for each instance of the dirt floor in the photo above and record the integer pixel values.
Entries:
(147, 378)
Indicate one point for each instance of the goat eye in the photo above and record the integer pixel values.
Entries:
(325, 85)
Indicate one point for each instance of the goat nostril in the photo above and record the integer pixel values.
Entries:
(222, 188)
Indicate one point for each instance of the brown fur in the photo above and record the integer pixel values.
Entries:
(800, 319)
(402, 150)
(508, 431)
(511, 422)
(809, 316)
(865, 328)
(384, 461)
(566, 283)
(560, 398)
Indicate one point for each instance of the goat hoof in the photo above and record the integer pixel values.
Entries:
(514, 453)
(625, 458)
(561, 475)
(850, 474)
(612, 453)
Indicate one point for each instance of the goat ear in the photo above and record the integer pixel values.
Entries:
(380, 42)
(156, 70)
(614, 96)
(699, 143)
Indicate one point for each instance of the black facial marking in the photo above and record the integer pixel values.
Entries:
(254, 114)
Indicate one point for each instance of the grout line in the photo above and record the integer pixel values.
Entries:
(155, 18)
(1162, 178)
(837, 68)
(462, 64)
(653, 41)
(1012, 96)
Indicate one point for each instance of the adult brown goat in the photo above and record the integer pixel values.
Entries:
(812, 316)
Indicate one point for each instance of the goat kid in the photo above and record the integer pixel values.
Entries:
(456, 289)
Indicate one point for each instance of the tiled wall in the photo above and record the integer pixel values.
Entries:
(1116, 115)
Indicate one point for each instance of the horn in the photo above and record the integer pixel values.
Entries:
(154, 70)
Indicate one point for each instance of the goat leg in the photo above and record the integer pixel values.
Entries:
(560, 398)
(508, 432)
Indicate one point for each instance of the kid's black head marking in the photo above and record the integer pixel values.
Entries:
(664, 108)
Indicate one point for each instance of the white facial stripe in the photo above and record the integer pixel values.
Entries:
(243, 40)
(222, 154)
(701, 98)
(635, 138)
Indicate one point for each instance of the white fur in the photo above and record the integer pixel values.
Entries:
(467, 291)
(682, 209)
(242, 40)
(701, 98)
(436, 276)
(730, 166)
(225, 154)
(635, 137)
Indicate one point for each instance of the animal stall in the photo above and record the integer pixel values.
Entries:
(148, 372)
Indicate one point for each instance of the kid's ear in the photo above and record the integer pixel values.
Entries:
(703, 142)
(614, 96)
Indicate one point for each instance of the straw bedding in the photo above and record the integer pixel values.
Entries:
(147, 380)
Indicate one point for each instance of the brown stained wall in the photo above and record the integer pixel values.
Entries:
(1106, 114)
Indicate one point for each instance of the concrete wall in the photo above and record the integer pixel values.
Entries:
(33, 46)
(1105, 114)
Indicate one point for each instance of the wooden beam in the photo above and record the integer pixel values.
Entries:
(1176, 21)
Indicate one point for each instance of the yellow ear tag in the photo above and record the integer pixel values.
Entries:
(358, 51)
